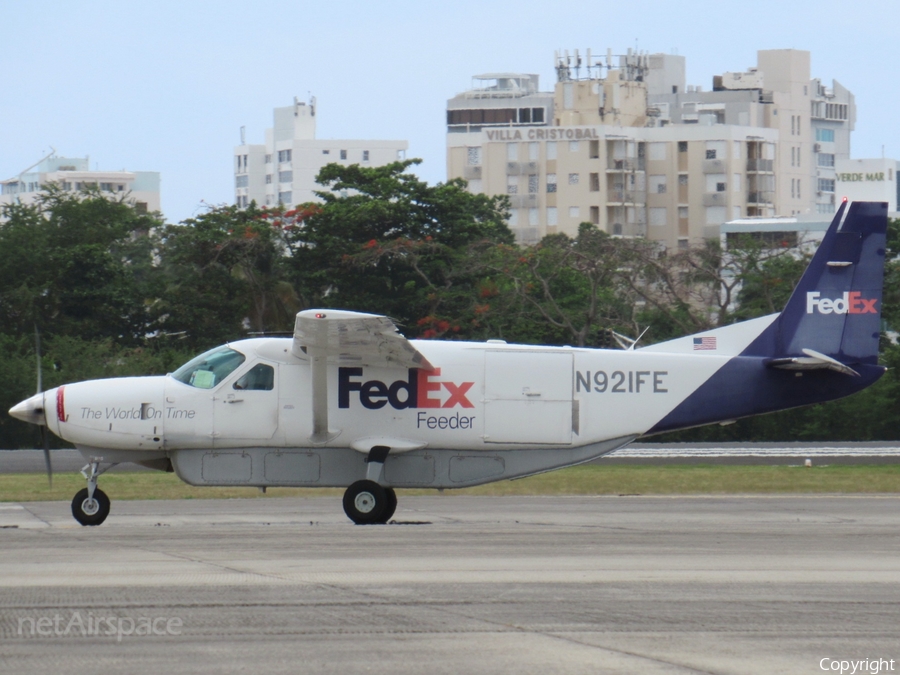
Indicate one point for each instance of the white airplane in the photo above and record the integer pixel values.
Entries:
(348, 401)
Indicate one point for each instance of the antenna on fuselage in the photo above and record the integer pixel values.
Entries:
(627, 343)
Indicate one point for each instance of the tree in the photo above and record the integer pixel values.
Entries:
(703, 286)
(384, 241)
(77, 264)
(570, 285)
(224, 273)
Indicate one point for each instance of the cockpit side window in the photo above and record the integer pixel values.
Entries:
(210, 368)
(260, 377)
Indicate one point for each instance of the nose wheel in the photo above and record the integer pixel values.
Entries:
(90, 510)
(91, 505)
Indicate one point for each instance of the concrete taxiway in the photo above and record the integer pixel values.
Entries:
(456, 584)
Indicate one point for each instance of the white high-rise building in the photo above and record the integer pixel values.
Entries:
(284, 169)
(73, 174)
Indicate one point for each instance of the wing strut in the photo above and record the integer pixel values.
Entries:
(318, 363)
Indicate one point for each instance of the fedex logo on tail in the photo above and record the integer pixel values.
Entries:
(851, 302)
(421, 389)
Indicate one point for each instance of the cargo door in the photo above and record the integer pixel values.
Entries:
(528, 397)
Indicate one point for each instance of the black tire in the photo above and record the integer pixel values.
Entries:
(365, 502)
(88, 513)
(391, 505)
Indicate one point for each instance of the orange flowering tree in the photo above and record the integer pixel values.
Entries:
(384, 241)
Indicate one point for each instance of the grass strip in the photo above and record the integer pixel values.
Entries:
(589, 479)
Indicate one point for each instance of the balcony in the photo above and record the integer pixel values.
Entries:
(472, 172)
(762, 197)
(714, 166)
(521, 168)
(761, 165)
(523, 201)
(628, 230)
(715, 199)
(629, 164)
(626, 197)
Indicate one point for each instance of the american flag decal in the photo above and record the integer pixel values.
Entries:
(704, 343)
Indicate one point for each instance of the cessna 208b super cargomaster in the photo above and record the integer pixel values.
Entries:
(349, 402)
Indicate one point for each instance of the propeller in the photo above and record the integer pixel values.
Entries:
(45, 439)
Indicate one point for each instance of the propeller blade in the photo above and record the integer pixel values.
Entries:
(45, 439)
(46, 443)
(37, 349)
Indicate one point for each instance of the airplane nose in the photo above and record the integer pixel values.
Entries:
(30, 410)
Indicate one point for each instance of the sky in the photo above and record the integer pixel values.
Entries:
(166, 86)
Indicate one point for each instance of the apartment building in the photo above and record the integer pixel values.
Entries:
(814, 121)
(627, 146)
(283, 170)
(73, 174)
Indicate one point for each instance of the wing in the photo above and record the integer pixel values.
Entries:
(322, 335)
(354, 338)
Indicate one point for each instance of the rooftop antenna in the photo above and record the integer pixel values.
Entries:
(48, 156)
(243, 135)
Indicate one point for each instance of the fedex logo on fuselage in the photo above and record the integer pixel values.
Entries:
(851, 302)
(421, 389)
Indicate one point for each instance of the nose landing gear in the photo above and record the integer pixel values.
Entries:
(91, 505)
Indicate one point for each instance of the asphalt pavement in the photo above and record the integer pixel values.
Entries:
(456, 584)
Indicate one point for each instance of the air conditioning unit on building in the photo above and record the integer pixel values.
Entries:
(817, 147)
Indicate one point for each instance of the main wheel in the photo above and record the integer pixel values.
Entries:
(90, 511)
(365, 501)
(390, 507)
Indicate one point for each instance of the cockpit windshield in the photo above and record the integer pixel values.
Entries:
(210, 368)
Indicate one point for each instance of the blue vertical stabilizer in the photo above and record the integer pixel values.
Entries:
(835, 310)
(823, 345)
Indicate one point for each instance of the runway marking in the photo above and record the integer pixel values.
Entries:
(637, 451)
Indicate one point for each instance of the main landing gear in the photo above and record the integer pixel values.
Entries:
(91, 505)
(366, 502)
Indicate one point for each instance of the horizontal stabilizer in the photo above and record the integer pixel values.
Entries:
(812, 361)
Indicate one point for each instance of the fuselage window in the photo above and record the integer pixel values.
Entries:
(210, 368)
(259, 378)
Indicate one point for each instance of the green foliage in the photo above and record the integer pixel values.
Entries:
(561, 290)
(384, 241)
(767, 278)
(75, 264)
(116, 292)
(223, 273)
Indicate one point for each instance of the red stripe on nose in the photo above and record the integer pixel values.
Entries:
(61, 404)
